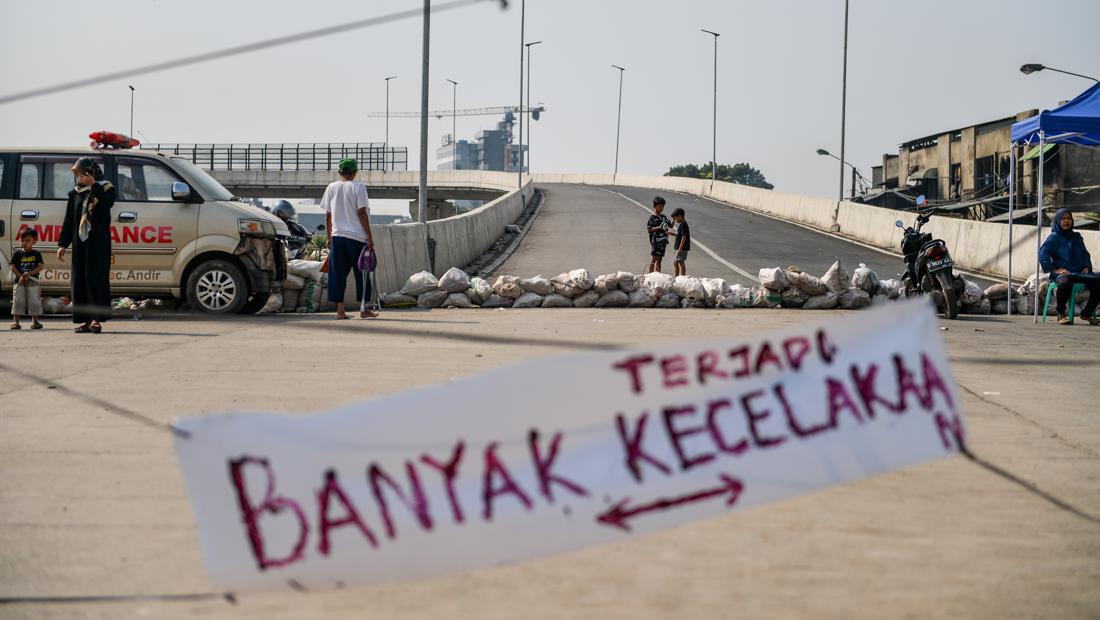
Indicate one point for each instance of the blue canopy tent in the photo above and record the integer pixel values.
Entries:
(1076, 122)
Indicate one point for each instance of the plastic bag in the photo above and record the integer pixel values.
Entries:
(713, 287)
(431, 299)
(508, 286)
(865, 279)
(496, 301)
(640, 299)
(479, 290)
(828, 301)
(972, 293)
(454, 281)
(419, 283)
(854, 299)
(689, 287)
(397, 300)
(793, 298)
(308, 269)
(668, 300)
(809, 284)
(836, 279)
(528, 300)
(628, 282)
(586, 299)
(458, 300)
(773, 278)
(613, 299)
(293, 282)
(657, 284)
(537, 284)
(553, 300)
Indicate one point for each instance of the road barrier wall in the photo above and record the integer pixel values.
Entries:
(975, 245)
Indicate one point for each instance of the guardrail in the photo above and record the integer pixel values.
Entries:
(287, 157)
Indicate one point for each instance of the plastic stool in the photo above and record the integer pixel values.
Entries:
(1077, 288)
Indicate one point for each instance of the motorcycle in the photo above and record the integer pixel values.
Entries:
(929, 266)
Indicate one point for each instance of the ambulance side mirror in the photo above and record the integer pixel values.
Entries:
(181, 192)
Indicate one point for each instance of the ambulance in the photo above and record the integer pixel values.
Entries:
(174, 229)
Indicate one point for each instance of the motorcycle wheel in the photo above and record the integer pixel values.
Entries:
(950, 298)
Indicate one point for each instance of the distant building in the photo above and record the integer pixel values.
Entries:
(492, 149)
(971, 166)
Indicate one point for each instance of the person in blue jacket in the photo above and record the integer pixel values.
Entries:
(1065, 257)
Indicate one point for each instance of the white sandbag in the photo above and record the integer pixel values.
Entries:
(738, 296)
(553, 300)
(496, 301)
(1022, 305)
(807, 283)
(308, 269)
(564, 286)
(763, 297)
(479, 290)
(892, 288)
(455, 281)
(586, 299)
(290, 300)
(972, 293)
(689, 287)
(458, 300)
(865, 279)
(854, 299)
(310, 301)
(419, 283)
(274, 303)
(603, 285)
(613, 299)
(793, 298)
(713, 287)
(508, 286)
(997, 292)
(293, 282)
(581, 279)
(431, 299)
(628, 282)
(828, 301)
(773, 278)
(528, 300)
(537, 284)
(1028, 287)
(657, 284)
(640, 299)
(836, 279)
(397, 300)
(668, 300)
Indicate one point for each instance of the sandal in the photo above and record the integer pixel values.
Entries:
(15, 326)
(82, 329)
(36, 325)
(97, 328)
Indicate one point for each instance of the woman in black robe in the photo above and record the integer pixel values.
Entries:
(87, 229)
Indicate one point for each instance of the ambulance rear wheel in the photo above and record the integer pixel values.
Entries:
(217, 287)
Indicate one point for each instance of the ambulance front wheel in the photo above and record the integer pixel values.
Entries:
(217, 287)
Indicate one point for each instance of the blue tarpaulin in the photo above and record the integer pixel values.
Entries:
(1077, 122)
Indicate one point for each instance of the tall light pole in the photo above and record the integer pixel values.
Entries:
(529, 45)
(855, 171)
(386, 146)
(522, 24)
(131, 111)
(714, 125)
(1030, 68)
(454, 124)
(422, 216)
(843, 102)
(619, 122)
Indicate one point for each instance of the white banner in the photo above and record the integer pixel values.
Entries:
(566, 452)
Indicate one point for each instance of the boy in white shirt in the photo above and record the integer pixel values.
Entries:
(347, 226)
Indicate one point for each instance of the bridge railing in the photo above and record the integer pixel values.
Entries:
(288, 157)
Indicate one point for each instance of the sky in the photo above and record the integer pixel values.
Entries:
(913, 70)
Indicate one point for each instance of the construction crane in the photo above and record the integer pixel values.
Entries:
(506, 110)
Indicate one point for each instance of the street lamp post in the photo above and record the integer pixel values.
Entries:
(522, 39)
(1033, 67)
(843, 103)
(422, 201)
(529, 45)
(454, 110)
(714, 123)
(131, 111)
(386, 146)
(619, 122)
(855, 171)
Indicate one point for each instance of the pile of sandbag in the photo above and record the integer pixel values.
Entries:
(305, 289)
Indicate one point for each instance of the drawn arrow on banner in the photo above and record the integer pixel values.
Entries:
(619, 514)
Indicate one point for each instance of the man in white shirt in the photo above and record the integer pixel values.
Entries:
(347, 226)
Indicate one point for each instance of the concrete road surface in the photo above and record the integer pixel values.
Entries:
(92, 503)
(603, 229)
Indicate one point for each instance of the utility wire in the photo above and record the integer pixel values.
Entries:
(235, 51)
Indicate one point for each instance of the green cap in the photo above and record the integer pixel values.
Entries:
(347, 166)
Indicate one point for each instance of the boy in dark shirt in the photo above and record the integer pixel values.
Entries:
(26, 264)
(657, 226)
(683, 242)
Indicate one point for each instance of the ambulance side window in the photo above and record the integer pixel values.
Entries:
(30, 178)
(60, 179)
(145, 181)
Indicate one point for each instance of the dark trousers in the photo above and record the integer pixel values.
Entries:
(344, 257)
(1065, 289)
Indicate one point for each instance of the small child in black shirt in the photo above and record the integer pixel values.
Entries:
(683, 242)
(26, 264)
(657, 226)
